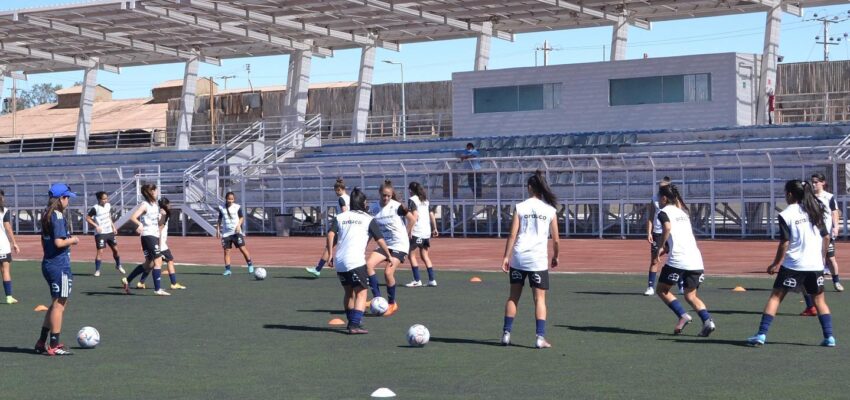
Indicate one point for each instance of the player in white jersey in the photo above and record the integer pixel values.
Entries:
(653, 236)
(535, 221)
(342, 206)
(7, 243)
(165, 212)
(229, 229)
(424, 228)
(684, 262)
(148, 218)
(803, 243)
(100, 219)
(832, 217)
(396, 222)
(348, 237)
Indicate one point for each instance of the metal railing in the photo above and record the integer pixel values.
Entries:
(813, 107)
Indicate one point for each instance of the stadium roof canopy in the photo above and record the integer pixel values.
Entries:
(110, 34)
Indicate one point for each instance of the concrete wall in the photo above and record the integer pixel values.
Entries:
(584, 97)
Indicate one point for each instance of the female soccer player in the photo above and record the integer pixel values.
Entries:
(803, 243)
(653, 236)
(149, 228)
(229, 229)
(56, 268)
(423, 229)
(534, 222)
(347, 240)
(165, 211)
(831, 219)
(100, 218)
(396, 222)
(343, 200)
(684, 262)
(7, 243)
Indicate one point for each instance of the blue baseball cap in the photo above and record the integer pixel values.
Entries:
(61, 190)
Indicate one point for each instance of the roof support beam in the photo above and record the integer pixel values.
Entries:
(255, 16)
(115, 39)
(27, 51)
(792, 9)
(288, 45)
(436, 18)
(615, 18)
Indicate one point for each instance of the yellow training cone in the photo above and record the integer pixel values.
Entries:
(40, 307)
(475, 279)
(739, 289)
(336, 322)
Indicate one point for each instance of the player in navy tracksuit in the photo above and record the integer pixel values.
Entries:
(56, 268)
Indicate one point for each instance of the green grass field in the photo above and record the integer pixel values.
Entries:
(237, 338)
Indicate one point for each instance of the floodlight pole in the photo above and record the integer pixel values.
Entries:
(403, 103)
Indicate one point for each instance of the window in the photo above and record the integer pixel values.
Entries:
(517, 98)
(660, 89)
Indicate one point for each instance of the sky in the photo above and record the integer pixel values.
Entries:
(435, 61)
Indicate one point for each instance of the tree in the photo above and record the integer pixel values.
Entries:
(41, 93)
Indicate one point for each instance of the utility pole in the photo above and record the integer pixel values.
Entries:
(827, 41)
(212, 109)
(545, 49)
(226, 78)
(14, 107)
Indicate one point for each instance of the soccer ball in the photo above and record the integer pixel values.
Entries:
(88, 337)
(260, 273)
(418, 335)
(379, 306)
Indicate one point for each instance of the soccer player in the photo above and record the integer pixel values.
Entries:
(684, 262)
(56, 242)
(423, 229)
(149, 227)
(165, 211)
(526, 255)
(831, 220)
(653, 236)
(100, 218)
(7, 243)
(229, 229)
(396, 223)
(343, 200)
(803, 244)
(347, 240)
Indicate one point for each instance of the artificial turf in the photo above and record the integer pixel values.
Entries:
(237, 338)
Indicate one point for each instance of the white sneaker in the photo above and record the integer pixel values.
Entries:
(413, 284)
(432, 283)
(707, 328)
(120, 269)
(506, 338)
(161, 292)
(838, 287)
(96, 273)
(684, 320)
(650, 291)
(542, 343)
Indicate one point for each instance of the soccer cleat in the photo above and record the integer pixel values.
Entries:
(140, 285)
(707, 328)
(59, 350)
(177, 286)
(650, 291)
(227, 272)
(250, 269)
(838, 286)
(39, 347)
(542, 343)
(432, 283)
(506, 338)
(810, 312)
(828, 342)
(96, 273)
(11, 300)
(120, 269)
(756, 340)
(313, 271)
(125, 285)
(161, 292)
(391, 309)
(357, 330)
(413, 284)
(684, 320)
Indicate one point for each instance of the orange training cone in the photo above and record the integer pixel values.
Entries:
(336, 322)
(40, 307)
(475, 279)
(739, 289)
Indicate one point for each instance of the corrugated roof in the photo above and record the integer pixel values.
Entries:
(169, 84)
(77, 90)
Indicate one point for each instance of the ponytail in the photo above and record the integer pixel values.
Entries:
(357, 200)
(540, 188)
(165, 205)
(804, 195)
(340, 184)
(418, 190)
(53, 204)
(2, 201)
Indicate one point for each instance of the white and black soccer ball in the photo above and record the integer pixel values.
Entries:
(379, 306)
(260, 273)
(88, 337)
(418, 335)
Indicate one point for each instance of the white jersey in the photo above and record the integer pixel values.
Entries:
(228, 219)
(391, 220)
(805, 241)
(102, 215)
(830, 205)
(150, 219)
(353, 230)
(656, 224)
(530, 251)
(343, 201)
(5, 246)
(163, 238)
(684, 253)
(422, 228)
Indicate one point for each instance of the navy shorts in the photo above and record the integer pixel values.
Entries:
(6, 258)
(235, 239)
(166, 255)
(105, 239)
(150, 248)
(419, 243)
(655, 246)
(354, 278)
(536, 279)
(795, 281)
(59, 278)
(672, 276)
(399, 255)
